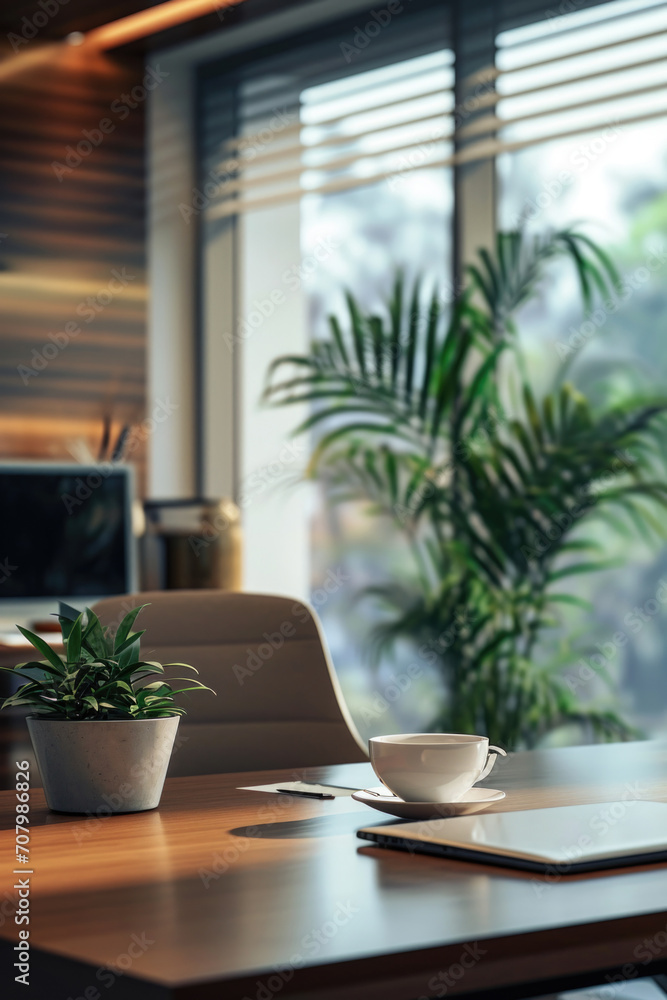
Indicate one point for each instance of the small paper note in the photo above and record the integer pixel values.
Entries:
(300, 786)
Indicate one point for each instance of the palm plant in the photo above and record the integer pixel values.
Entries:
(411, 412)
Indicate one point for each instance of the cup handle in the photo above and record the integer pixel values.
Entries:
(491, 760)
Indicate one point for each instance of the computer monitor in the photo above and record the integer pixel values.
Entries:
(65, 534)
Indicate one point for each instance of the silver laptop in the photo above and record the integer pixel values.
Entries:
(563, 839)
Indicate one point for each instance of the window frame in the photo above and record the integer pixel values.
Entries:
(196, 451)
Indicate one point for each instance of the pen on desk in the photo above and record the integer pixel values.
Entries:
(307, 795)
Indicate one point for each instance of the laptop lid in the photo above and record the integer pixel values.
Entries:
(571, 838)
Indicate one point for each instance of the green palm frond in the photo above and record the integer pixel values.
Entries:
(506, 281)
(406, 415)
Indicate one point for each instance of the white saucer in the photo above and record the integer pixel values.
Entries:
(473, 801)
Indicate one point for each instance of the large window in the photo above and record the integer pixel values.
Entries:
(401, 222)
(331, 165)
(318, 195)
(613, 177)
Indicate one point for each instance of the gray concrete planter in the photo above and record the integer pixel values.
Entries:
(100, 766)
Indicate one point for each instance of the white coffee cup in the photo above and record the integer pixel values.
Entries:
(431, 767)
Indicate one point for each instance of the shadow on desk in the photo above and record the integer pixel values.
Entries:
(15, 746)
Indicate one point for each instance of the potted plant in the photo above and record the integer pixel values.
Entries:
(427, 416)
(103, 720)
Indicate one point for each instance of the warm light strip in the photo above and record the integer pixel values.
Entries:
(151, 21)
(35, 285)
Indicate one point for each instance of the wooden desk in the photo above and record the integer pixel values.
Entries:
(229, 894)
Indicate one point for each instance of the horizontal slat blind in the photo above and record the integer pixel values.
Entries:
(572, 74)
(329, 116)
(604, 65)
(576, 74)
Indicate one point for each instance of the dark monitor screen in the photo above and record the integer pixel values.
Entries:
(64, 532)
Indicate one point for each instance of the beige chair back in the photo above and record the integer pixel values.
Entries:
(278, 701)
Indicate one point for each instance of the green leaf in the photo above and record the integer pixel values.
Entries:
(44, 648)
(195, 686)
(358, 337)
(533, 416)
(115, 685)
(73, 644)
(586, 567)
(36, 665)
(572, 599)
(413, 336)
(431, 332)
(130, 655)
(339, 340)
(18, 672)
(125, 627)
(377, 336)
(94, 639)
(127, 643)
(395, 312)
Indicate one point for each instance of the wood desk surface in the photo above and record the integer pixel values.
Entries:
(227, 893)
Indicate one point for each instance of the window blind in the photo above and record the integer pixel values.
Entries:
(372, 99)
(365, 104)
(574, 73)
(564, 72)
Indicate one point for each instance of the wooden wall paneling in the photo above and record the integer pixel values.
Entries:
(72, 255)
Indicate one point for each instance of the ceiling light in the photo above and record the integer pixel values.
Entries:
(154, 19)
